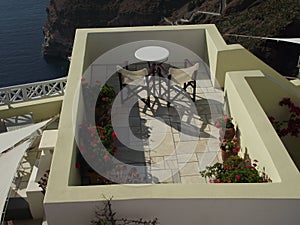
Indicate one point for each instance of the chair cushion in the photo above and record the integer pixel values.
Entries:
(183, 75)
(130, 76)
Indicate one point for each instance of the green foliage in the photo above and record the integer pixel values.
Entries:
(235, 170)
(230, 146)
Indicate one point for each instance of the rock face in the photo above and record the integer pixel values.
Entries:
(267, 18)
(64, 16)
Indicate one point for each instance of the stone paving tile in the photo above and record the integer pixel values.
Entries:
(157, 163)
(161, 144)
(186, 147)
(171, 164)
(182, 158)
(190, 168)
(162, 176)
(192, 179)
(194, 136)
(206, 159)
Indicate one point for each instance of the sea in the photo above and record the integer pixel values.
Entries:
(21, 38)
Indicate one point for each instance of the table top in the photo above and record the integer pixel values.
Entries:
(152, 54)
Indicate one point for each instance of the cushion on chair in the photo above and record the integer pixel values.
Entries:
(130, 76)
(183, 75)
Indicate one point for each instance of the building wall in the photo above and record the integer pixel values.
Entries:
(184, 211)
(256, 132)
(41, 109)
(272, 203)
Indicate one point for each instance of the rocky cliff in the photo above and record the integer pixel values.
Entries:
(64, 16)
(267, 18)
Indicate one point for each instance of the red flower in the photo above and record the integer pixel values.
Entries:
(114, 135)
(238, 177)
(106, 158)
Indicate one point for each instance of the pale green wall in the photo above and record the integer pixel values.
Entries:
(237, 58)
(257, 133)
(269, 94)
(41, 109)
(165, 201)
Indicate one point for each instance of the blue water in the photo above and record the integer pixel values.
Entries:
(21, 37)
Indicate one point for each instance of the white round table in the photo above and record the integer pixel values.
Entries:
(152, 54)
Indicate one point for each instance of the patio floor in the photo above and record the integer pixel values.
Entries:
(174, 143)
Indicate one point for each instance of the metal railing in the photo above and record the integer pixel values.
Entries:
(32, 91)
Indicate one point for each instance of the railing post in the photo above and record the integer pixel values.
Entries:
(7, 99)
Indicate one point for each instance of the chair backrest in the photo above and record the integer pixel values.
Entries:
(185, 74)
(130, 76)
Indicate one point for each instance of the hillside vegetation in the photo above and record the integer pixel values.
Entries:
(266, 18)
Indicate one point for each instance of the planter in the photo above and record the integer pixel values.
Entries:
(227, 134)
(226, 155)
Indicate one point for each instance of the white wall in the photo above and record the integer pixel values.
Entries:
(185, 211)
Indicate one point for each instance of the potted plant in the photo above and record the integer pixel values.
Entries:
(229, 148)
(235, 170)
(226, 127)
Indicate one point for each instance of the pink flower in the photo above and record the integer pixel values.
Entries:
(82, 148)
(238, 177)
(82, 79)
(247, 160)
(217, 181)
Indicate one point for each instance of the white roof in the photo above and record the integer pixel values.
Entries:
(11, 138)
(9, 162)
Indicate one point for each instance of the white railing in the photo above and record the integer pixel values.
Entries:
(32, 91)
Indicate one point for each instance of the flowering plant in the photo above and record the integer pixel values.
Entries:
(235, 170)
(224, 122)
(230, 146)
(102, 131)
(290, 126)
